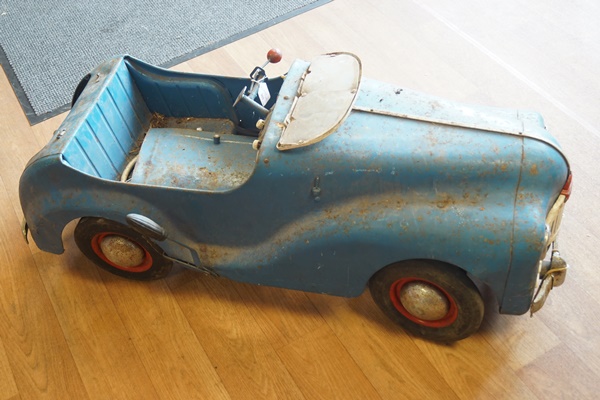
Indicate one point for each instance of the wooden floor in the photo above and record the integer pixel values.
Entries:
(71, 331)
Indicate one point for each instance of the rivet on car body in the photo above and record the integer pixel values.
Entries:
(316, 189)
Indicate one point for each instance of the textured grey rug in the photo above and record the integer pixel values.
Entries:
(47, 46)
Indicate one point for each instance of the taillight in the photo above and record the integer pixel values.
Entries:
(566, 190)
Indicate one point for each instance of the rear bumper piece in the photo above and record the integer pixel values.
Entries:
(554, 275)
(25, 229)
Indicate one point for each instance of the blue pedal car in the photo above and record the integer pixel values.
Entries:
(320, 180)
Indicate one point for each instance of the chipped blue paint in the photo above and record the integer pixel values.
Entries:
(405, 176)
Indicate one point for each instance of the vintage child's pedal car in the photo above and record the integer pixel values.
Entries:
(320, 180)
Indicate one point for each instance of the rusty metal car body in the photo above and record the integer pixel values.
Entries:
(333, 183)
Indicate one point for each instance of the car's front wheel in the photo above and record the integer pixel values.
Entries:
(120, 249)
(430, 299)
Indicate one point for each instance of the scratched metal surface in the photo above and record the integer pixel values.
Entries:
(190, 159)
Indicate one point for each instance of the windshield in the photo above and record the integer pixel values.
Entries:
(324, 100)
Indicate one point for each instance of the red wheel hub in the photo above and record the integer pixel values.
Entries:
(423, 302)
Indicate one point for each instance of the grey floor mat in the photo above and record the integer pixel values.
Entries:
(46, 47)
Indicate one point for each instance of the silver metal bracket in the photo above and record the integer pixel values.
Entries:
(25, 229)
(553, 277)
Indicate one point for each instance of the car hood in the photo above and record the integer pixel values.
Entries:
(390, 100)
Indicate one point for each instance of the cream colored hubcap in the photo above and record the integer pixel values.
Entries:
(424, 301)
(122, 251)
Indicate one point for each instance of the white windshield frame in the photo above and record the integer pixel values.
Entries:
(324, 100)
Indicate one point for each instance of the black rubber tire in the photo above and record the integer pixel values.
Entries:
(466, 304)
(79, 89)
(87, 232)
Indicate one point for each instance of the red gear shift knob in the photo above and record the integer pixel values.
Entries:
(274, 56)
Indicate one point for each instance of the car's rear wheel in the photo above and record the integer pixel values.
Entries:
(120, 249)
(79, 89)
(430, 299)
